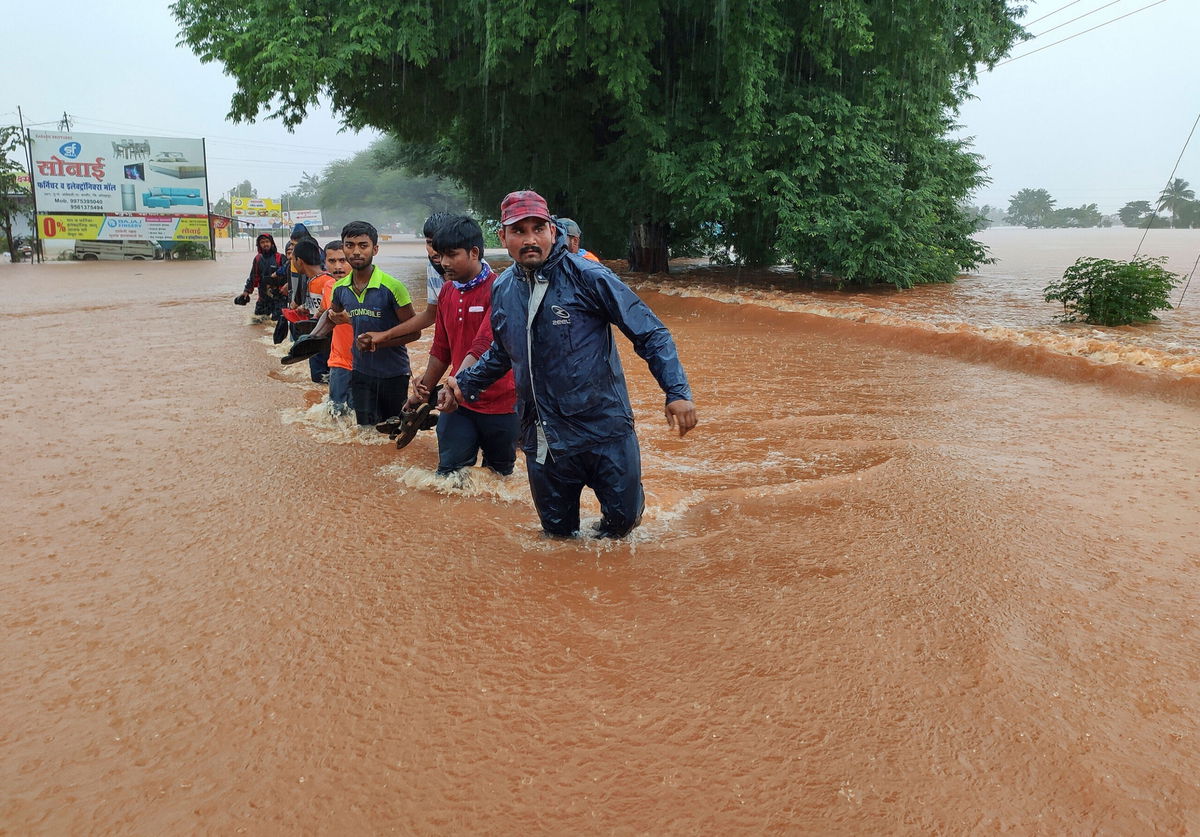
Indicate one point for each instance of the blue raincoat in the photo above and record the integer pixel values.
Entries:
(553, 329)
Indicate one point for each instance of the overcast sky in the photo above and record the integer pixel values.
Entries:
(1099, 119)
(116, 69)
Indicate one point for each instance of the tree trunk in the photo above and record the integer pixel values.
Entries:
(648, 247)
(6, 225)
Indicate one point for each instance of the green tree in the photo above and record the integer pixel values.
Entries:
(1188, 214)
(374, 184)
(222, 207)
(303, 195)
(1030, 208)
(15, 200)
(810, 133)
(1088, 215)
(978, 215)
(1174, 197)
(244, 190)
(1135, 213)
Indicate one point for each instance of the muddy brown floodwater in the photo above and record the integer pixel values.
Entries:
(903, 578)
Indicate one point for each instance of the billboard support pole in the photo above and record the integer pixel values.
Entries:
(37, 232)
(212, 236)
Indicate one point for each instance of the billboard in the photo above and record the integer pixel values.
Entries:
(261, 213)
(308, 217)
(103, 186)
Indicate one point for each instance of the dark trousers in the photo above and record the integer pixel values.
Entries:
(613, 470)
(376, 399)
(464, 433)
(318, 368)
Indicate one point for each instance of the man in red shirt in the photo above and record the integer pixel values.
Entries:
(462, 333)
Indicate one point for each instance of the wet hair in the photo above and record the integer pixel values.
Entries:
(434, 221)
(356, 228)
(307, 251)
(458, 232)
(333, 245)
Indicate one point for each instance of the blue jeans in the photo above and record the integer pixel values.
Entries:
(613, 470)
(464, 433)
(376, 399)
(339, 389)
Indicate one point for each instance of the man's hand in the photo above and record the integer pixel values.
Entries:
(450, 396)
(368, 341)
(681, 414)
(339, 317)
(420, 389)
(415, 400)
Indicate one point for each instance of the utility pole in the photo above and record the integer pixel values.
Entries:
(37, 233)
(64, 124)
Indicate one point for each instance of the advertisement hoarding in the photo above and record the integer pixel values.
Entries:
(308, 217)
(114, 186)
(261, 213)
(122, 227)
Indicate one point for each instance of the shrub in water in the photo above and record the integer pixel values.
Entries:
(190, 250)
(1111, 293)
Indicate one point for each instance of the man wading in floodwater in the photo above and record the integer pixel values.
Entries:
(551, 317)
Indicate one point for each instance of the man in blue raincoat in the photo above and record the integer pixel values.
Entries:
(552, 313)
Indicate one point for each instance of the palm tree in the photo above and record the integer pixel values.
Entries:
(1175, 197)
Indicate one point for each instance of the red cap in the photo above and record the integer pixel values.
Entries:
(525, 204)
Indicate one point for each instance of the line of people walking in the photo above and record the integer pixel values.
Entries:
(525, 359)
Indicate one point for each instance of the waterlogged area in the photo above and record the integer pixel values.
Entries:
(905, 577)
(1002, 304)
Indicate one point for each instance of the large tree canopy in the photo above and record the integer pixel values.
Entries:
(804, 132)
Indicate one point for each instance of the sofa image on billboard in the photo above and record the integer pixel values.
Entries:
(164, 198)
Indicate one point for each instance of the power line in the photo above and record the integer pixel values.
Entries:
(1080, 17)
(1189, 281)
(224, 139)
(1077, 34)
(1056, 11)
(1170, 180)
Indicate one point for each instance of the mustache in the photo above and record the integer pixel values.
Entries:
(531, 249)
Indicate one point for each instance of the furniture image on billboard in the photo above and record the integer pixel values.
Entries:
(175, 164)
(164, 198)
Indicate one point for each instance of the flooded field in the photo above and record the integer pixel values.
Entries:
(927, 565)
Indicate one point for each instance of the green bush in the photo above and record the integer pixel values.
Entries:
(190, 250)
(1111, 293)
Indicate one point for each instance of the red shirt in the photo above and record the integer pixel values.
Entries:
(464, 326)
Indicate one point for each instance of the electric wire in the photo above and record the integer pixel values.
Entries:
(1188, 282)
(1056, 11)
(1080, 17)
(289, 147)
(1170, 180)
(1077, 34)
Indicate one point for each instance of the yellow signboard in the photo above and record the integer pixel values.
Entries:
(257, 212)
(123, 227)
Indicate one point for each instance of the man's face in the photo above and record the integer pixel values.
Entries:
(435, 258)
(573, 243)
(336, 264)
(461, 265)
(528, 241)
(359, 250)
(264, 246)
